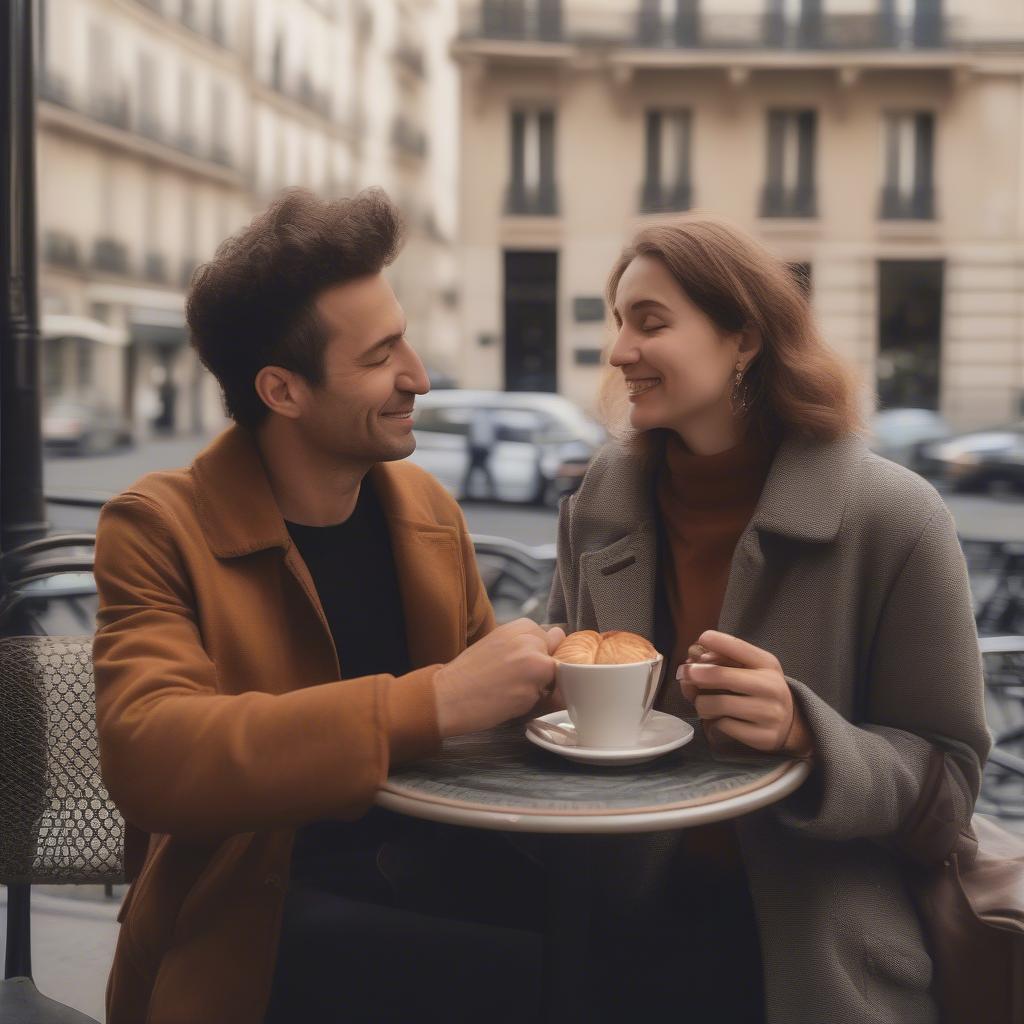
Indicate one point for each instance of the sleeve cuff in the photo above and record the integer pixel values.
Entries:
(412, 716)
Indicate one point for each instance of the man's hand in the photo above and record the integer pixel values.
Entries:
(500, 677)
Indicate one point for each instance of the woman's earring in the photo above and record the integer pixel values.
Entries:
(739, 398)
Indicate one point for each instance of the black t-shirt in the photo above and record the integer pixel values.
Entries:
(353, 569)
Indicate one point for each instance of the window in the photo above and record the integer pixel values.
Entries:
(277, 62)
(524, 426)
(793, 23)
(101, 63)
(84, 353)
(790, 189)
(154, 268)
(218, 28)
(149, 108)
(219, 120)
(532, 174)
(441, 420)
(909, 23)
(186, 108)
(522, 19)
(667, 177)
(53, 365)
(908, 192)
(669, 22)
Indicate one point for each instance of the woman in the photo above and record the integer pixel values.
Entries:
(740, 508)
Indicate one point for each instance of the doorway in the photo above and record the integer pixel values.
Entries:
(531, 321)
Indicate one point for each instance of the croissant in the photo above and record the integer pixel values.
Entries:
(616, 647)
(579, 648)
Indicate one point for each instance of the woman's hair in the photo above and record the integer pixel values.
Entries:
(796, 383)
(253, 304)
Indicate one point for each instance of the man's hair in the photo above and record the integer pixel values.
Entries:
(253, 304)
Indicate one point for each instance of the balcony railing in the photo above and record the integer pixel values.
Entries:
(61, 249)
(709, 29)
(188, 268)
(112, 108)
(658, 198)
(220, 153)
(149, 124)
(406, 137)
(536, 201)
(519, 19)
(110, 255)
(783, 201)
(189, 16)
(154, 268)
(916, 205)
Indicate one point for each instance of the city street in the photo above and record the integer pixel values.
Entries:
(983, 517)
(74, 929)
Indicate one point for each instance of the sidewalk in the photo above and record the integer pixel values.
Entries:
(74, 930)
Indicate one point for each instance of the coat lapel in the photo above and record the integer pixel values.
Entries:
(803, 500)
(428, 561)
(240, 516)
(618, 582)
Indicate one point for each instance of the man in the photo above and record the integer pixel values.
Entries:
(279, 624)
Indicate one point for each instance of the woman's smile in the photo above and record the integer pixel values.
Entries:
(641, 385)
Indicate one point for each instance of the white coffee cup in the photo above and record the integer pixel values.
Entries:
(609, 704)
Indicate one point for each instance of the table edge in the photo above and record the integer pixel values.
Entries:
(789, 777)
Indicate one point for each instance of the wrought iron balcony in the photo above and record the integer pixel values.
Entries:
(707, 29)
(783, 201)
(61, 249)
(536, 201)
(110, 255)
(916, 205)
(658, 198)
(154, 268)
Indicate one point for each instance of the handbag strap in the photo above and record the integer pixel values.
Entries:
(930, 832)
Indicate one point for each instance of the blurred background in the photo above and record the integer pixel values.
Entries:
(876, 145)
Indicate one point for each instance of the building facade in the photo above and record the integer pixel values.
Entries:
(877, 145)
(165, 125)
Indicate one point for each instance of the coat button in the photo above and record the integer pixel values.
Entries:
(272, 881)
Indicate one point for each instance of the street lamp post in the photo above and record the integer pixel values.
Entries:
(22, 509)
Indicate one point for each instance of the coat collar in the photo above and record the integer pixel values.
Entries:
(234, 502)
(240, 516)
(239, 513)
(804, 496)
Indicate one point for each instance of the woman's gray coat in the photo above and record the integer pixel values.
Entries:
(850, 572)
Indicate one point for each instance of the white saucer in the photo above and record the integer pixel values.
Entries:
(660, 734)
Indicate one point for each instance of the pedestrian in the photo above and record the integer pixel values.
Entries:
(481, 437)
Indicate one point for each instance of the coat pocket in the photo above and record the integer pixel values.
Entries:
(898, 979)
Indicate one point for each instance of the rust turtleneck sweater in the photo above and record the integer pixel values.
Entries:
(705, 503)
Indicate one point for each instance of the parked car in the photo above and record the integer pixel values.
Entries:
(902, 434)
(440, 379)
(84, 429)
(542, 448)
(975, 460)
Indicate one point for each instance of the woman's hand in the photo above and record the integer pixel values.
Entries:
(740, 692)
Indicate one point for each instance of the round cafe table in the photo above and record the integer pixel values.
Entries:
(499, 780)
